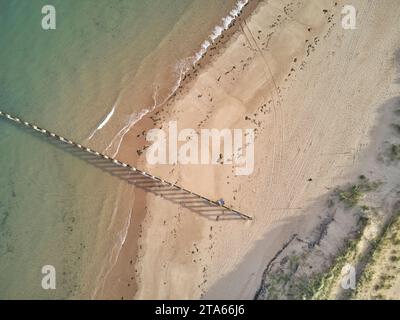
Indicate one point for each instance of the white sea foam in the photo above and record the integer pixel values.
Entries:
(181, 69)
(117, 140)
(202, 51)
(226, 22)
(105, 120)
(115, 251)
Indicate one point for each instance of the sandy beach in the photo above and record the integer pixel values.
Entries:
(311, 90)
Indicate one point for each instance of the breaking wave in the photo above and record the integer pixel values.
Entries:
(226, 23)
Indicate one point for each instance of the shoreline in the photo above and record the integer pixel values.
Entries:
(129, 253)
(188, 67)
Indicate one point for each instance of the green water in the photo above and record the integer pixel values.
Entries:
(56, 209)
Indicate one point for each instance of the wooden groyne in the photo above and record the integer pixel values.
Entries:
(119, 163)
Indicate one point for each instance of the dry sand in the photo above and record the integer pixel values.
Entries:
(311, 89)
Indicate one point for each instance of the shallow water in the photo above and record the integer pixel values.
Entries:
(105, 62)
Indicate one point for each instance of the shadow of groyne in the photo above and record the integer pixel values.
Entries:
(201, 205)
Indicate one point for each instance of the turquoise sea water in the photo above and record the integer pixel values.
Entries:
(125, 56)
